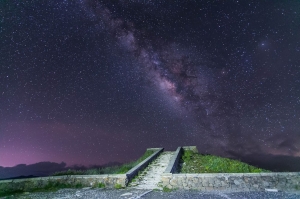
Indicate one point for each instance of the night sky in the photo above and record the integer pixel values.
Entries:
(91, 82)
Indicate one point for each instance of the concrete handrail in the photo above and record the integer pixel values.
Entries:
(134, 171)
(173, 164)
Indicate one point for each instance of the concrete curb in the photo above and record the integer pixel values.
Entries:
(29, 184)
(134, 171)
(173, 164)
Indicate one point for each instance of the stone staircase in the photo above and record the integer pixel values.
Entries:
(150, 177)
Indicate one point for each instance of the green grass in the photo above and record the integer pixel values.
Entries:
(101, 185)
(122, 169)
(166, 189)
(118, 186)
(196, 163)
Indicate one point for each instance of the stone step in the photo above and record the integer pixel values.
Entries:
(151, 176)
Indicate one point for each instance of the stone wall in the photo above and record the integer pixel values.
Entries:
(227, 181)
(233, 181)
(30, 184)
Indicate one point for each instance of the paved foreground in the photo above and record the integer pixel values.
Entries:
(89, 193)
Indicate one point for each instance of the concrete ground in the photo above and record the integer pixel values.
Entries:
(132, 193)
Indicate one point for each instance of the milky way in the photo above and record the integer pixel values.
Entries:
(181, 72)
(86, 81)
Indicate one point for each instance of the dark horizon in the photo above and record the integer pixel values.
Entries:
(41, 169)
(96, 81)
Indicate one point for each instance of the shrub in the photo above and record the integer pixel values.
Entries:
(78, 185)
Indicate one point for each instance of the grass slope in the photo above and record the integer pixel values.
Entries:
(107, 170)
(196, 163)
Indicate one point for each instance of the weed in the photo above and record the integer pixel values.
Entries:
(166, 189)
(101, 185)
(138, 176)
(118, 186)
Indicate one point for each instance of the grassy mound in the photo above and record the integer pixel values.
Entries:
(196, 163)
(107, 170)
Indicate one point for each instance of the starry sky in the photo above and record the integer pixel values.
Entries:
(96, 81)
